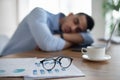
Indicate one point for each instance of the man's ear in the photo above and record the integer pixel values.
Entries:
(70, 14)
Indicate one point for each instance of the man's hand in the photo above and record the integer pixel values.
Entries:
(71, 39)
(68, 44)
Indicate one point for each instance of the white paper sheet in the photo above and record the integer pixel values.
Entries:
(13, 67)
(57, 72)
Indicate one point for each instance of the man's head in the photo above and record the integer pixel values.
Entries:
(76, 23)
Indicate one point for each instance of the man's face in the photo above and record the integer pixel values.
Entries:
(74, 24)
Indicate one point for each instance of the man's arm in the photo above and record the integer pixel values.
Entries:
(41, 33)
(82, 38)
(67, 43)
(74, 38)
(78, 38)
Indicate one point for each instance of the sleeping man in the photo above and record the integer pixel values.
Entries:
(40, 27)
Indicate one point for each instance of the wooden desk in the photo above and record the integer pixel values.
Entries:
(107, 70)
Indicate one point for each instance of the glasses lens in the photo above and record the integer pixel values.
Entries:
(49, 64)
(65, 62)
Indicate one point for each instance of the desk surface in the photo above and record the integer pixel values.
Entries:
(106, 70)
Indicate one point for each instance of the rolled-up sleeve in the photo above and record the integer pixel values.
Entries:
(37, 21)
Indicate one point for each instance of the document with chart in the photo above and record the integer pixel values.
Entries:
(39, 68)
(14, 67)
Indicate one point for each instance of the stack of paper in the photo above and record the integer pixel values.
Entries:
(27, 67)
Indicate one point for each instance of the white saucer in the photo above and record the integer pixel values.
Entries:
(106, 57)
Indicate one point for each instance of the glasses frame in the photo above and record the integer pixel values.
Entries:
(56, 60)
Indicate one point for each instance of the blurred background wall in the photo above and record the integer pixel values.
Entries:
(13, 11)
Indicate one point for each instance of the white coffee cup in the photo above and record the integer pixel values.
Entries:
(94, 52)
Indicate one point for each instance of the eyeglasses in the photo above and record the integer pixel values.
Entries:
(50, 63)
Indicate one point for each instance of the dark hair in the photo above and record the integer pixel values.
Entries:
(90, 21)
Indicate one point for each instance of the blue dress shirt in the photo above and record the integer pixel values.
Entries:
(37, 29)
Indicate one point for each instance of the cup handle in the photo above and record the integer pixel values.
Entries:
(83, 50)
